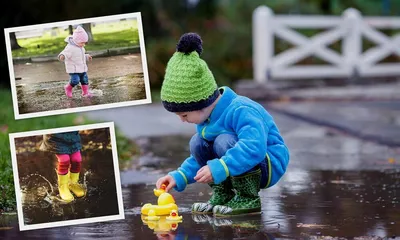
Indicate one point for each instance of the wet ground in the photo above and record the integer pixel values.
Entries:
(40, 86)
(99, 67)
(38, 181)
(49, 96)
(327, 196)
(338, 184)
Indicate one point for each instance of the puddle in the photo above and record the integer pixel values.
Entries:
(306, 203)
(38, 182)
(46, 96)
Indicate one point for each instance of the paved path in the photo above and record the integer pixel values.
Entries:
(101, 67)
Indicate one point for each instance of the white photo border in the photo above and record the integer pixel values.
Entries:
(136, 15)
(119, 216)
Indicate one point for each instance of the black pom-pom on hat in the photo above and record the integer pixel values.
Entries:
(190, 42)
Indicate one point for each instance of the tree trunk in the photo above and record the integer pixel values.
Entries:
(326, 7)
(13, 41)
(88, 29)
(70, 29)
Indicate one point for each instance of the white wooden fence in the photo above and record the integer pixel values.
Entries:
(351, 27)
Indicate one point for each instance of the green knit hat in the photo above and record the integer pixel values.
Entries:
(188, 83)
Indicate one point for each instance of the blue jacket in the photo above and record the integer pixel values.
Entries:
(258, 139)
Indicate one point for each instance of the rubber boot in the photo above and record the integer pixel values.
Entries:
(85, 91)
(246, 200)
(222, 193)
(63, 189)
(74, 186)
(68, 90)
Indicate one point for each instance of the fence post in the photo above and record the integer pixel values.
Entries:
(352, 41)
(263, 43)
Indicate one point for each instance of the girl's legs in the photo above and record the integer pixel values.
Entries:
(63, 164)
(85, 85)
(76, 162)
(63, 178)
(73, 81)
(74, 186)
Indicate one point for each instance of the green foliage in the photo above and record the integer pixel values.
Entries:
(106, 36)
(125, 147)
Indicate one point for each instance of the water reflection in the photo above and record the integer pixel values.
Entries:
(46, 96)
(306, 203)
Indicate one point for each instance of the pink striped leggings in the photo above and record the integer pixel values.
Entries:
(65, 160)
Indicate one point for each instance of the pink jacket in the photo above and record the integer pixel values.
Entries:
(75, 57)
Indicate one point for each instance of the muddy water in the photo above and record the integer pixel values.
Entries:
(308, 203)
(46, 96)
(39, 190)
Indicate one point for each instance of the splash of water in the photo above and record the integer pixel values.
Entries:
(96, 92)
(43, 193)
(87, 173)
(38, 175)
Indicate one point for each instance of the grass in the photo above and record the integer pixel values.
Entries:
(8, 125)
(106, 36)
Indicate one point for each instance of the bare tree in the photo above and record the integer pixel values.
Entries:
(14, 42)
(88, 29)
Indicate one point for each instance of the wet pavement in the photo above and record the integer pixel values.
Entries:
(112, 80)
(336, 185)
(377, 121)
(99, 67)
(38, 181)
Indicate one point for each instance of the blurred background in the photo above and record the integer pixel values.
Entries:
(225, 26)
(50, 41)
(343, 132)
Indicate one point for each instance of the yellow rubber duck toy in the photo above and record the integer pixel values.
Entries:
(162, 225)
(166, 203)
(173, 216)
(152, 216)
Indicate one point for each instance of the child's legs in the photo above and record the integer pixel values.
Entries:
(201, 150)
(83, 78)
(223, 143)
(76, 162)
(74, 79)
(63, 163)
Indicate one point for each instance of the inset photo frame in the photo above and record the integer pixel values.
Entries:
(77, 65)
(66, 176)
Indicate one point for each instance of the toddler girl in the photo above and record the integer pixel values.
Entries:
(66, 147)
(75, 58)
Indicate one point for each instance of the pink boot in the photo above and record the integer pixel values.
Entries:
(85, 91)
(68, 90)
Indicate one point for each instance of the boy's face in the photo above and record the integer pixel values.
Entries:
(196, 117)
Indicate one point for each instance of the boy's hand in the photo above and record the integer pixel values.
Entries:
(168, 181)
(204, 175)
(89, 57)
(62, 57)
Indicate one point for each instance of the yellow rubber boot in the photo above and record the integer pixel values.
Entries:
(65, 194)
(75, 187)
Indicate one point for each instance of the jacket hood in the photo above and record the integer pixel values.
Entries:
(69, 40)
